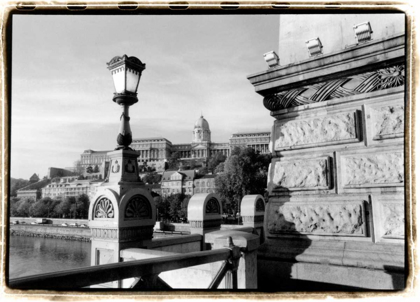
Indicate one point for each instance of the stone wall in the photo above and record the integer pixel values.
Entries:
(348, 187)
(336, 181)
(49, 231)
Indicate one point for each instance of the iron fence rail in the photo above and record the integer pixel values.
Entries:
(82, 277)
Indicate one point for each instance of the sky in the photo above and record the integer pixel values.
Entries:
(62, 90)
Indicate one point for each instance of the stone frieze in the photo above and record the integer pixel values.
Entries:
(385, 78)
(319, 130)
(305, 174)
(318, 219)
(373, 169)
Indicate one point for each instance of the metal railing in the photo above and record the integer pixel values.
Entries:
(145, 272)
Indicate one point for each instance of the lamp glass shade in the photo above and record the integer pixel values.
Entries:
(126, 73)
(118, 75)
(132, 80)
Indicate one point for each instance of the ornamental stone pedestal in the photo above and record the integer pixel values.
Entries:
(252, 212)
(204, 214)
(122, 213)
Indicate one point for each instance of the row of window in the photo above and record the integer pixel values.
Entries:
(187, 191)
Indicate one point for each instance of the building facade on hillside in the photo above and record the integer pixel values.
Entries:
(70, 186)
(259, 141)
(94, 163)
(186, 182)
(335, 214)
(153, 151)
(33, 191)
(156, 151)
(177, 182)
(205, 184)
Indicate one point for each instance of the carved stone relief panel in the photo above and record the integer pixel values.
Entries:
(302, 174)
(333, 218)
(138, 208)
(389, 217)
(103, 209)
(212, 207)
(388, 121)
(393, 222)
(322, 130)
(373, 170)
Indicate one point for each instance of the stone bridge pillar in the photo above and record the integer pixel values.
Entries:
(204, 214)
(122, 214)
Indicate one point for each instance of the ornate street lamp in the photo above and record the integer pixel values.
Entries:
(126, 72)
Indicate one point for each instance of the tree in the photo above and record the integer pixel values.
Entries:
(245, 172)
(39, 208)
(220, 168)
(14, 204)
(152, 178)
(16, 184)
(24, 206)
(163, 208)
(203, 171)
(216, 160)
(96, 169)
(53, 208)
(174, 160)
(178, 204)
(63, 208)
(82, 209)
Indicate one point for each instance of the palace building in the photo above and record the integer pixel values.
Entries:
(155, 151)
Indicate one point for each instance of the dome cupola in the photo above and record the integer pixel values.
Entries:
(202, 123)
(201, 132)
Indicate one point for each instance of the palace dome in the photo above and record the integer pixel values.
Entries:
(202, 123)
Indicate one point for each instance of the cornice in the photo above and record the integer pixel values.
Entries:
(352, 60)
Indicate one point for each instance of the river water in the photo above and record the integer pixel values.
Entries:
(35, 255)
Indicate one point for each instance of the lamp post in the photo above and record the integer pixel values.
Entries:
(126, 73)
(122, 213)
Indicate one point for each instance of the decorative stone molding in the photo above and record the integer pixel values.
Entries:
(323, 130)
(252, 219)
(102, 233)
(363, 32)
(340, 219)
(136, 233)
(337, 88)
(104, 209)
(138, 208)
(123, 234)
(372, 170)
(302, 174)
(213, 207)
(205, 223)
(388, 121)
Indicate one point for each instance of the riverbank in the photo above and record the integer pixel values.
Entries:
(51, 231)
